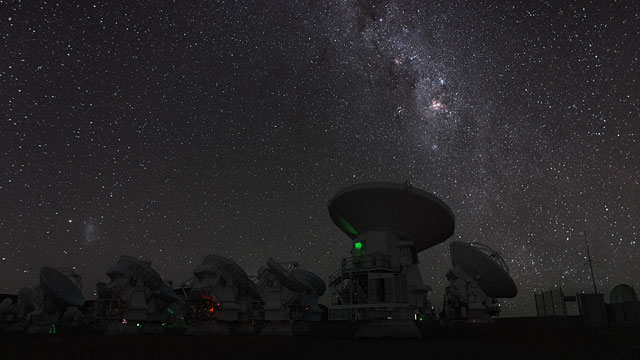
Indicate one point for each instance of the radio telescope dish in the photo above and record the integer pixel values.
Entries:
(142, 270)
(285, 278)
(311, 280)
(218, 264)
(485, 266)
(117, 270)
(622, 293)
(407, 211)
(59, 288)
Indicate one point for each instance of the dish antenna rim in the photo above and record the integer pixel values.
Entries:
(486, 266)
(410, 212)
(59, 288)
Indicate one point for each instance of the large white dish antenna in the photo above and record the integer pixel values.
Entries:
(117, 270)
(216, 264)
(622, 293)
(59, 288)
(311, 280)
(415, 214)
(485, 266)
(142, 270)
(285, 278)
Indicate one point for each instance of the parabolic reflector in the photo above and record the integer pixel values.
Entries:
(217, 264)
(142, 270)
(492, 276)
(59, 288)
(311, 280)
(405, 210)
(290, 282)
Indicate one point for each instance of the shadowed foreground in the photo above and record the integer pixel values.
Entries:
(498, 343)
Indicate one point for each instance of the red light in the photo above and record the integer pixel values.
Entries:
(124, 321)
(210, 304)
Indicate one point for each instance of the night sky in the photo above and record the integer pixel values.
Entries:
(172, 130)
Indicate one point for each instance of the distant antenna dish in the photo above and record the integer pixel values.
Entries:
(26, 297)
(72, 275)
(622, 293)
(142, 270)
(485, 266)
(26, 294)
(400, 208)
(285, 278)
(117, 270)
(311, 281)
(59, 288)
(218, 264)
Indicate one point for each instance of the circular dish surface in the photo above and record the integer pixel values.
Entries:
(216, 263)
(143, 270)
(492, 278)
(285, 278)
(311, 280)
(412, 213)
(59, 288)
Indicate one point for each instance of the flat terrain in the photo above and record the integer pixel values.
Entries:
(498, 342)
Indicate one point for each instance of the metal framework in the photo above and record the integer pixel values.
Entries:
(367, 288)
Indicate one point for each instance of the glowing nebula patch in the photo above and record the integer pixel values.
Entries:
(438, 105)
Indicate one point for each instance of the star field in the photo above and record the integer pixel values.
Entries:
(169, 131)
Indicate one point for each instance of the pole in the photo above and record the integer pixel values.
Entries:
(595, 289)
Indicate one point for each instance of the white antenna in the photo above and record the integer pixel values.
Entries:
(380, 285)
(485, 266)
(59, 288)
(285, 278)
(478, 276)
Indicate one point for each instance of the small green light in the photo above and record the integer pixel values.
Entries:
(139, 325)
(164, 324)
(52, 329)
(170, 311)
(358, 245)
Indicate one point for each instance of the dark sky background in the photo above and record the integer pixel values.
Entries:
(172, 130)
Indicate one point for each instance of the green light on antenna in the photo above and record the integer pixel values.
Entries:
(164, 324)
(358, 245)
(346, 226)
(170, 311)
(139, 325)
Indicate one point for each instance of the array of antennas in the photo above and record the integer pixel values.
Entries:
(220, 299)
(388, 225)
(55, 299)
